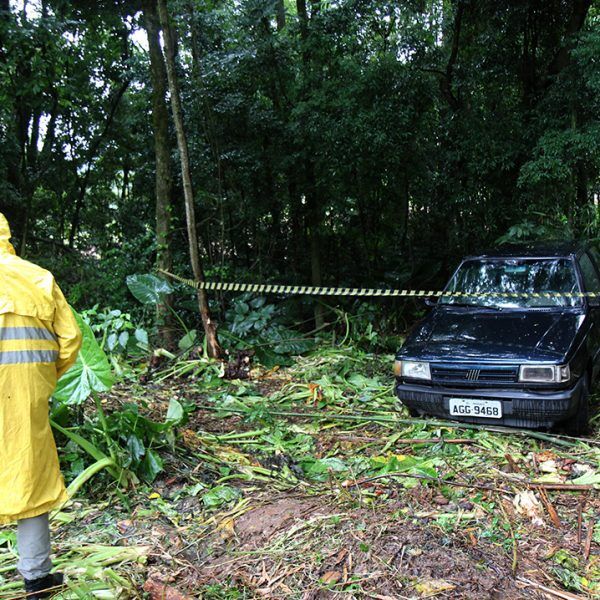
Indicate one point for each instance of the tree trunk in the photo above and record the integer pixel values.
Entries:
(313, 194)
(562, 58)
(164, 180)
(447, 80)
(213, 140)
(313, 220)
(280, 8)
(210, 329)
(405, 212)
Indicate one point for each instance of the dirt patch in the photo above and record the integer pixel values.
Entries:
(298, 547)
(426, 561)
(259, 525)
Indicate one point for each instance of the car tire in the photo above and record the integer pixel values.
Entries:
(579, 422)
(400, 406)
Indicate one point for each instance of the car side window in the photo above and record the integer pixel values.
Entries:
(591, 281)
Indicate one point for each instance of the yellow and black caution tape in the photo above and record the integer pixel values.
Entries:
(304, 290)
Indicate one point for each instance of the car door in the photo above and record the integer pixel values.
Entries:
(589, 263)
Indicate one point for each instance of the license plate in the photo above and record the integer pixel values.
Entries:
(469, 407)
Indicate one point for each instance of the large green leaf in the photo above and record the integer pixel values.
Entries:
(148, 288)
(220, 495)
(151, 466)
(188, 340)
(175, 412)
(91, 372)
(320, 469)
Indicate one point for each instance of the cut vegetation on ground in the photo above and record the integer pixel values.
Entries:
(305, 482)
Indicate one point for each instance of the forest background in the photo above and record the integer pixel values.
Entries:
(346, 142)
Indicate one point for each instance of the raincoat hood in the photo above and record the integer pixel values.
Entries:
(5, 245)
(25, 288)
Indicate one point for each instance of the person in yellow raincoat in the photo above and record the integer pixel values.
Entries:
(39, 341)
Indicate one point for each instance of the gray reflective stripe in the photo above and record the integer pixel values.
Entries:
(21, 357)
(26, 333)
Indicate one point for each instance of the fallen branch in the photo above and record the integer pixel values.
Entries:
(588, 539)
(550, 508)
(475, 486)
(565, 487)
(580, 518)
(437, 480)
(436, 441)
(550, 591)
(408, 441)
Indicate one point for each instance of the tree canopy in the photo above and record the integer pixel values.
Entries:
(331, 141)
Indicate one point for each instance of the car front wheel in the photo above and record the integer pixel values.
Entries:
(400, 406)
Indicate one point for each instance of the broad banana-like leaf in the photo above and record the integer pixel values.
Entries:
(91, 372)
(148, 288)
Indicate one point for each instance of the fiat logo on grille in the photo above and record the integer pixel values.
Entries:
(473, 374)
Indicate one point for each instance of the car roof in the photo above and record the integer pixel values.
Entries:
(546, 249)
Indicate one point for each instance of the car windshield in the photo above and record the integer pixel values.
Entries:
(514, 276)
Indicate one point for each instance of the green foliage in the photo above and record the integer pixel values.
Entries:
(356, 137)
(117, 331)
(124, 440)
(131, 439)
(218, 591)
(148, 289)
(253, 323)
(219, 495)
(188, 340)
(529, 231)
(411, 465)
(140, 438)
(324, 468)
(567, 569)
(91, 373)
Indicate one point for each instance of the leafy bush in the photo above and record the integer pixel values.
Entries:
(117, 331)
(543, 227)
(252, 323)
(124, 441)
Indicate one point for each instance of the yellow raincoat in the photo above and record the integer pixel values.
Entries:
(39, 341)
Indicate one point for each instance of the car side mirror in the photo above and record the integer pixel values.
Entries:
(431, 301)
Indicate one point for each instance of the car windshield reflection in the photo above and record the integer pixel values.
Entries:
(487, 278)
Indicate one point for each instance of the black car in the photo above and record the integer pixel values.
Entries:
(527, 360)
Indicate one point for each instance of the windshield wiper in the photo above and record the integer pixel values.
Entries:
(473, 305)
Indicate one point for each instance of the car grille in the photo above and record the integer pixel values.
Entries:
(473, 374)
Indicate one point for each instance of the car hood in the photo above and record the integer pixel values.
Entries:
(461, 334)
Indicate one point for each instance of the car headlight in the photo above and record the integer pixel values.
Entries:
(414, 370)
(544, 373)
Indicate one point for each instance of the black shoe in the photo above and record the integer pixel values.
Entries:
(44, 587)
